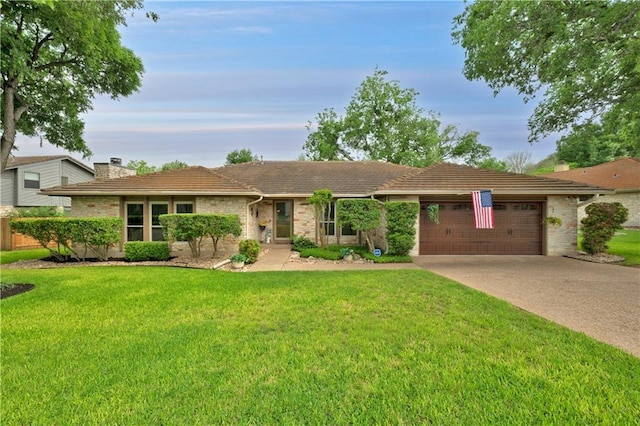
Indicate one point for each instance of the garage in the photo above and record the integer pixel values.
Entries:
(517, 229)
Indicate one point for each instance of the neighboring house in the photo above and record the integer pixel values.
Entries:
(24, 177)
(622, 175)
(271, 199)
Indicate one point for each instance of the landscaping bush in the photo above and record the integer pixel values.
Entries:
(401, 226)
(600, 224)
(139, 251)
(363, 215)
(250, 248)
(300, 243)
(321, 253)
(70, 234)
(192, 228)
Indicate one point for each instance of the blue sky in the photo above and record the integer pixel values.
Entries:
(228, 75)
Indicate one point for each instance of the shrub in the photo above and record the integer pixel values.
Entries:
(192, 228)
(139, 251)
(42, 211)
(250, 248)
(600, 224)
(363, 215)
(300, 243)
(90, 233)
(401, 229)
(321, 253)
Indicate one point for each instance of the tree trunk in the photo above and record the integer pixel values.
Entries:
(9, 120)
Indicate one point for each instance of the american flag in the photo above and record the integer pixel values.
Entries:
(483, 209)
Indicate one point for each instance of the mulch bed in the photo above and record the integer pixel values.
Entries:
(15, 289)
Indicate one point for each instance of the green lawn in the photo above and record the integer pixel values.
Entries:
(151, 345)
(15, 255)
(626, 243)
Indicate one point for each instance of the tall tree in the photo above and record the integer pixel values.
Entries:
(597, 143)
(384, 122)
(238, 156)
(583, 56)
(143, 168)
(519, 162)
(55, 57)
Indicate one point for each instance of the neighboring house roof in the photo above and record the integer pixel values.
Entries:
(284, 178)
(622, 174)
(15, 162)
(195, 180)
(343, 178)
(446, 178)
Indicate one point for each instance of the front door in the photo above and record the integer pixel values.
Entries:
(283, 212)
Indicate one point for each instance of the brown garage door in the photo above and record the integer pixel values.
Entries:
(517, 229)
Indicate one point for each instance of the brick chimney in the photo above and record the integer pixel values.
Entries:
(112, 170)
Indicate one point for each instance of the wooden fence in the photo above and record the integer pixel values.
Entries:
(10, 241)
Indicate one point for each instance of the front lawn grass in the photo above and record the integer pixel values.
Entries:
(153, 345)
(626, 243)
(16, 255)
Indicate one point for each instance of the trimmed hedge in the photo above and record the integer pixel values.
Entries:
(401, 226)
(77, 235)
(321, 253)
(139, 251)
(192, 228)
(300, 243)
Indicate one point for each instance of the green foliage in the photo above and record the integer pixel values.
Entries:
(401, 226)
(346, 251)
(56, 56)
(239, 258)
(96, 234)
(142, 168)
(70, 234)
(600, 224)
(221, 226)
(140, 251)
(363, 215)
(193, 227)
(321, 202)
(300, 243)
(597, 143)
(581, 56)
(249, 248)
(238, 156)
(384, 122)
(42, 211)
(320, 253)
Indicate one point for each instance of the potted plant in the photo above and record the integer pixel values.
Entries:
(552, 221)
(346, 253)
(238, 260)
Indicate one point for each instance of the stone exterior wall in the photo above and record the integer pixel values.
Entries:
(561, 240)
(630, 200)
(95, 206)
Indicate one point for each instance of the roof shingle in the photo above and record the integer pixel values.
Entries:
(622, 174)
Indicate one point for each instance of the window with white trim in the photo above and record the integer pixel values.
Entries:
(32, 180)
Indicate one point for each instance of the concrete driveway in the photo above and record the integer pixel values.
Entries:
(602, 301)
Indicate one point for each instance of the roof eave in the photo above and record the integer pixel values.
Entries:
(498, 192)
(147, 193)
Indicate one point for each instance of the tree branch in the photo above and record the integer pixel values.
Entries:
(36, 48)
(58, 63)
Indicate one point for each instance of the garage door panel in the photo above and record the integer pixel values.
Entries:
(517, 230)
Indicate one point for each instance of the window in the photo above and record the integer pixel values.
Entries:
(64, 180)
(330, 223)
(184, 208)
(156, 229)
(135, 222)
(32, 180)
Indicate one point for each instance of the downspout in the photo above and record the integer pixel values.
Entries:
(247, 218)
